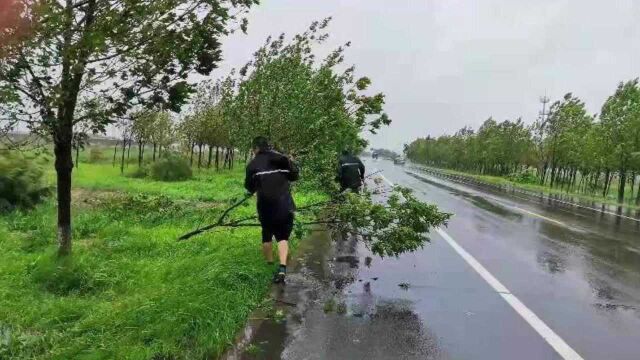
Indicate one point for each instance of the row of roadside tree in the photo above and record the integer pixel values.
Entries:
(566, 147)
(304, 105)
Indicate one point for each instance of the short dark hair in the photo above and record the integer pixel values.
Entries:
(260, 143)
(345, 152)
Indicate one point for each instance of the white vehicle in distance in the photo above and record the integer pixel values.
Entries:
(400, 160)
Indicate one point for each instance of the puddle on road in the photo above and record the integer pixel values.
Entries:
(353, 261)
(321, 320)
(478, 201)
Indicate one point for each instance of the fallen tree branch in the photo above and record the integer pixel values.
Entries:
(239, 222)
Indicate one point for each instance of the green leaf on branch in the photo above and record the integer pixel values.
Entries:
(389, 229)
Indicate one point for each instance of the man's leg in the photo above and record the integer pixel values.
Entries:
(267, 247)
(267, 250)
(282, 235)
(283, 251)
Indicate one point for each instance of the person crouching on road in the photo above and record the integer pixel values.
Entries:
(350, 172)
(270, 174)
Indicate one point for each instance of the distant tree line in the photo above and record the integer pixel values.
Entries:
(566, 147)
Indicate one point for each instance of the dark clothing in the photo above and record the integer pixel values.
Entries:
(350, 172)
(281, 231)
(269, 174)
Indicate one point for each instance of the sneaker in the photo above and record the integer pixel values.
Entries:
(278, 278)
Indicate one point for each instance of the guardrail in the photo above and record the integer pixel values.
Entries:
(470, 180)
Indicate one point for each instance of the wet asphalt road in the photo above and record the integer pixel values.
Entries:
(577, 270)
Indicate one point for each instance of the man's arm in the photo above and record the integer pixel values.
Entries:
(361, 167)
(339, 171)
(294, 172)
(249, 180)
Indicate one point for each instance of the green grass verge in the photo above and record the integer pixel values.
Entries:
(547, 190)
(206, 185)
(130, 291)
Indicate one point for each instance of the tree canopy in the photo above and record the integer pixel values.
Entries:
(566, 147)
(87, 63)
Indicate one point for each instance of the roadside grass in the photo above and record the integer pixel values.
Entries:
(611, 199)
(206, 185)
(130, 291)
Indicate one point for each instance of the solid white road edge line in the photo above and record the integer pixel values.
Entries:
(555, 341)
(529, 316)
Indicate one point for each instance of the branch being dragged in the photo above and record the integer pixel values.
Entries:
(241, 222)
(395, 226)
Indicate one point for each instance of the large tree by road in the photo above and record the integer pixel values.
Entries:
(66, 63)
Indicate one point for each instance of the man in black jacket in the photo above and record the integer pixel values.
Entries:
(350, 172)
(269, 174)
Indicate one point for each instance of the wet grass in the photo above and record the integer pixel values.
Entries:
(206, 185)
(130, 291)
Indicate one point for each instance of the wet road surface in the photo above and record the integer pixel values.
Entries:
(575, 270)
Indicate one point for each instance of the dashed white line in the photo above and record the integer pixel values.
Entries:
(555, 341)
(571, 204)
(557, 222)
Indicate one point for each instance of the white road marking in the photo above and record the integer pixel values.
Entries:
(567, 203)
(555, 341)
(387, 180)
(536, 215)
(593, 209)
(557, 222)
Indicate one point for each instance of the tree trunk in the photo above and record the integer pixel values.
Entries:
(638, 195)
(124, 148)
(217, 158)
(129, 152)
(77, 156)
(623, 183)
(64, 167)
(607, 180)
(226, 158)
(193, 145)
(71, 80)
(155, 146)
(632, 182)
(199, 156)
(210, 157)
(140, 154)
(115, 154)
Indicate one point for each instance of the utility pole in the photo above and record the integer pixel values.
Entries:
(544, 114)
(543, 118)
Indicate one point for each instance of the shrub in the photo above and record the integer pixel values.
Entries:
(524, 177)
(96, 155)
(148, 208)
(140, 172)
(21, 181)
(171, 168)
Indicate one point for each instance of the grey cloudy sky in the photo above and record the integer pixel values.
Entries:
(450, 63)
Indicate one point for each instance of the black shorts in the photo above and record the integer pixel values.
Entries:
(281, 230)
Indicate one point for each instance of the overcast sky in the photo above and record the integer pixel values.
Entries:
(444, 64)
